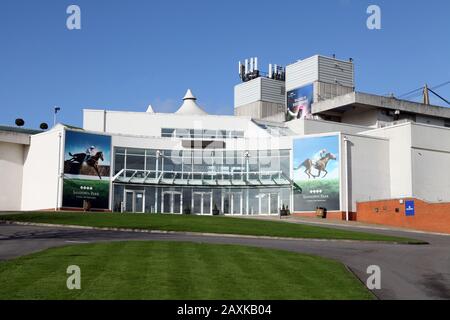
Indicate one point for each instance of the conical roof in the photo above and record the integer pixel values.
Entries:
(189, 95)
(150, 109)
(190, 106)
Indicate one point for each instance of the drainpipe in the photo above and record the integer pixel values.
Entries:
(346, 178)
(158, 154)
(59, 171)
(247, 156)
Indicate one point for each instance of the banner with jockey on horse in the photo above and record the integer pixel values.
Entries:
(87, 163)
(316, 171)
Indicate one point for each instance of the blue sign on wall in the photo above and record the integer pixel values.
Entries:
(409, 208)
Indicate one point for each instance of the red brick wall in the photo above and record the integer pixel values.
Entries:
(433, 217)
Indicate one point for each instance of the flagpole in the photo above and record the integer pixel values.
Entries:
(56, 109)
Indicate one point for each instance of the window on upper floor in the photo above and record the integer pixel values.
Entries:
(167, 133)
(207, 134)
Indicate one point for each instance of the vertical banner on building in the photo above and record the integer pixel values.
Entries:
(316, 171)
(299, 102)
(87, 163)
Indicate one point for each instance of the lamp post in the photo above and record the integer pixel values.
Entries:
(56, 110)
(247, 156)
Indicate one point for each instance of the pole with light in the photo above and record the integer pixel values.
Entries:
(56, 110)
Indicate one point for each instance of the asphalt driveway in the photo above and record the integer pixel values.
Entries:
(407, 271)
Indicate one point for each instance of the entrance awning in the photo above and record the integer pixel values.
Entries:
(205, 179)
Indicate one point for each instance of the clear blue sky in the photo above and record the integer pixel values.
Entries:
(132, 53)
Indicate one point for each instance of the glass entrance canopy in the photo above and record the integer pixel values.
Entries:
(202, 168)
(177, 178)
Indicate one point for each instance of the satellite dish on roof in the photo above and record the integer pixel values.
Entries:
(20, 122)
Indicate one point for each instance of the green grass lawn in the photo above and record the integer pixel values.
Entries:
(190, 223)
(177, 270)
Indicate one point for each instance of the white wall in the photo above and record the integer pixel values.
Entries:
(309, 126)
(302, 73)
(261, 143)
(40, 172)
(94, 120)
(319, 68)
(247, 92)
(399, 158)
(430, 137)
(368, 170)
(431, 175)
(11, 171)
(362, 117)
(431, 163)
(419, 160)
(150, 124)
(260, 89)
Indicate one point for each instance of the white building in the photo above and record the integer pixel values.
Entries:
(372, 147)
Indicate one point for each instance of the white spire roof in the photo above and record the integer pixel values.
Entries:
(190, 106)
(189, 95)
(150, 109)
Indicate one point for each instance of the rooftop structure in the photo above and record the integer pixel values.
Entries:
(190, 106)
(379, 111)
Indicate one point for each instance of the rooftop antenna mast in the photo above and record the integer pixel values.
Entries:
(426, 96)
(249, 69)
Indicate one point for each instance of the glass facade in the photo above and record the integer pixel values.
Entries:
(201, 181)
(202, 161)
(200, 200)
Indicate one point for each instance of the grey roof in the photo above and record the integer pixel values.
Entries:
(365, 100)
(19, 130)
(71, 126)
(276, 129)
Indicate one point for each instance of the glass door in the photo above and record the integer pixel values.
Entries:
(232, 203)
(139, 201)
(176, 203)
(202, 203)
(274, 203)
(166, 202)
(134, 201)
(129, 201)
(226, 204)
(171, 202)
(207, 203)
(236, 200)
(264, 203)
(268, 203)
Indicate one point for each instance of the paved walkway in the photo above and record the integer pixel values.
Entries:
(342, 224)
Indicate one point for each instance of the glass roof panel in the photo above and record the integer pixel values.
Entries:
(179, 178)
